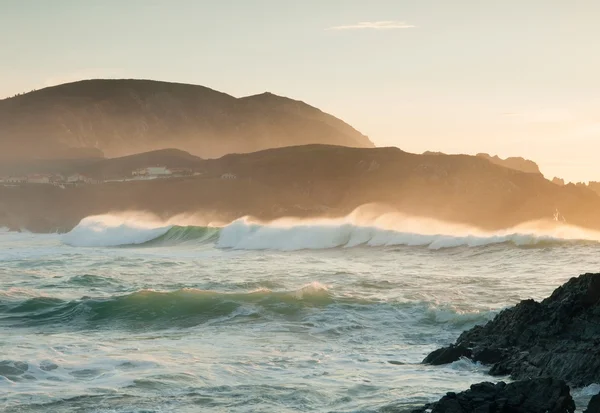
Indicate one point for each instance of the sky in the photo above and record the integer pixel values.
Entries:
(506, 77)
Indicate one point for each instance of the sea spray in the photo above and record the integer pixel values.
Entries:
(290, 234)
(102, 231)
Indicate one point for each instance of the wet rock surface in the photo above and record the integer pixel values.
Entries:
(542, 395)
(558, 337)
(594, 405)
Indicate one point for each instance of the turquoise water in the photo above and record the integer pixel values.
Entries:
(187, 324)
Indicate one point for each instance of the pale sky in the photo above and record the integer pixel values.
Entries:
(507, 77)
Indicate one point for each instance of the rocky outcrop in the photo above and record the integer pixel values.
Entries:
(543, 395)
(559, 337)
(516, 163)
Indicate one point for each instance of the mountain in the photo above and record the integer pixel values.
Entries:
(112, 118)
(307, 181)
(517, 163)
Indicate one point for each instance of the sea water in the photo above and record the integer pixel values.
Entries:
(124, 315)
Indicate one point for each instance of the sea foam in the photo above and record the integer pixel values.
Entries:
(287, 234)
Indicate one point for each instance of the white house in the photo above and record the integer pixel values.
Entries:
(152, 171)
(158, 170)
(78, 178)
(15, 179)
(39, 179)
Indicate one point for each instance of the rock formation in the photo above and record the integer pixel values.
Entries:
(543, 395)
(559, 337)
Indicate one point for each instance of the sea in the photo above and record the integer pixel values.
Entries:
(130, 313)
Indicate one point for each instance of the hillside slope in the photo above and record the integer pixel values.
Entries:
(514, 162)
(311, 180)
(112, 118)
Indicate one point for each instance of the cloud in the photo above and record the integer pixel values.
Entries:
(378, 25)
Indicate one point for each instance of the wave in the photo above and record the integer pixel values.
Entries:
(181, 234)
(251, 236)
(100, 231)
(112, 231)
(347, 232)
(185, 307)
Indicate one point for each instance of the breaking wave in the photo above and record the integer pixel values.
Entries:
(112, 231)
(291, 234)
(149, 308)
(249, 236)
(190, 307)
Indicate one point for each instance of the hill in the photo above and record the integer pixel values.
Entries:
(310, 181)
(112, 118)
(514, 162)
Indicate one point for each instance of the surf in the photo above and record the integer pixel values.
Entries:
(188, 307)
(289, 234)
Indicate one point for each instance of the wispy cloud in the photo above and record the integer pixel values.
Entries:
(378, 25)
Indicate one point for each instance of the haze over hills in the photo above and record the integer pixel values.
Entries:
(514, 162)
(308, 181)
(95, 118)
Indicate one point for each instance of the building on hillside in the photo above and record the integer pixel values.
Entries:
(39, 178)
(228, 176)
(79, 179)
(15, 179)
(57, 179)
(152, 171)
(181, 171)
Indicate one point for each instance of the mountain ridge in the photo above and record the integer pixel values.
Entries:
(309, 181)
(118, 117)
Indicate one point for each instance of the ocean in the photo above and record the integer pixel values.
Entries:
(132, 314)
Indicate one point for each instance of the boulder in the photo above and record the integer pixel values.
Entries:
(543, 395)
(558, 337)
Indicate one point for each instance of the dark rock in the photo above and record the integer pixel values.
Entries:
(542, 395)
(488, 355)
(447, 355)
(594, 405)
(559, 337)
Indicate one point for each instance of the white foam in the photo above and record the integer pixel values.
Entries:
(314, 288)
(108, 231)
(247, 235)
(364, 226)
(590, 390)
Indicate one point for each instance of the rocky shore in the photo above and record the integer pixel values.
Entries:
(546, 346)
(530, 396)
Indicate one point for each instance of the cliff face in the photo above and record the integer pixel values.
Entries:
(121, 117)
(311, 180)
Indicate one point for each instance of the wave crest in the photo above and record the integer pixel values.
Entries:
(142, 308)
(292, 234)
